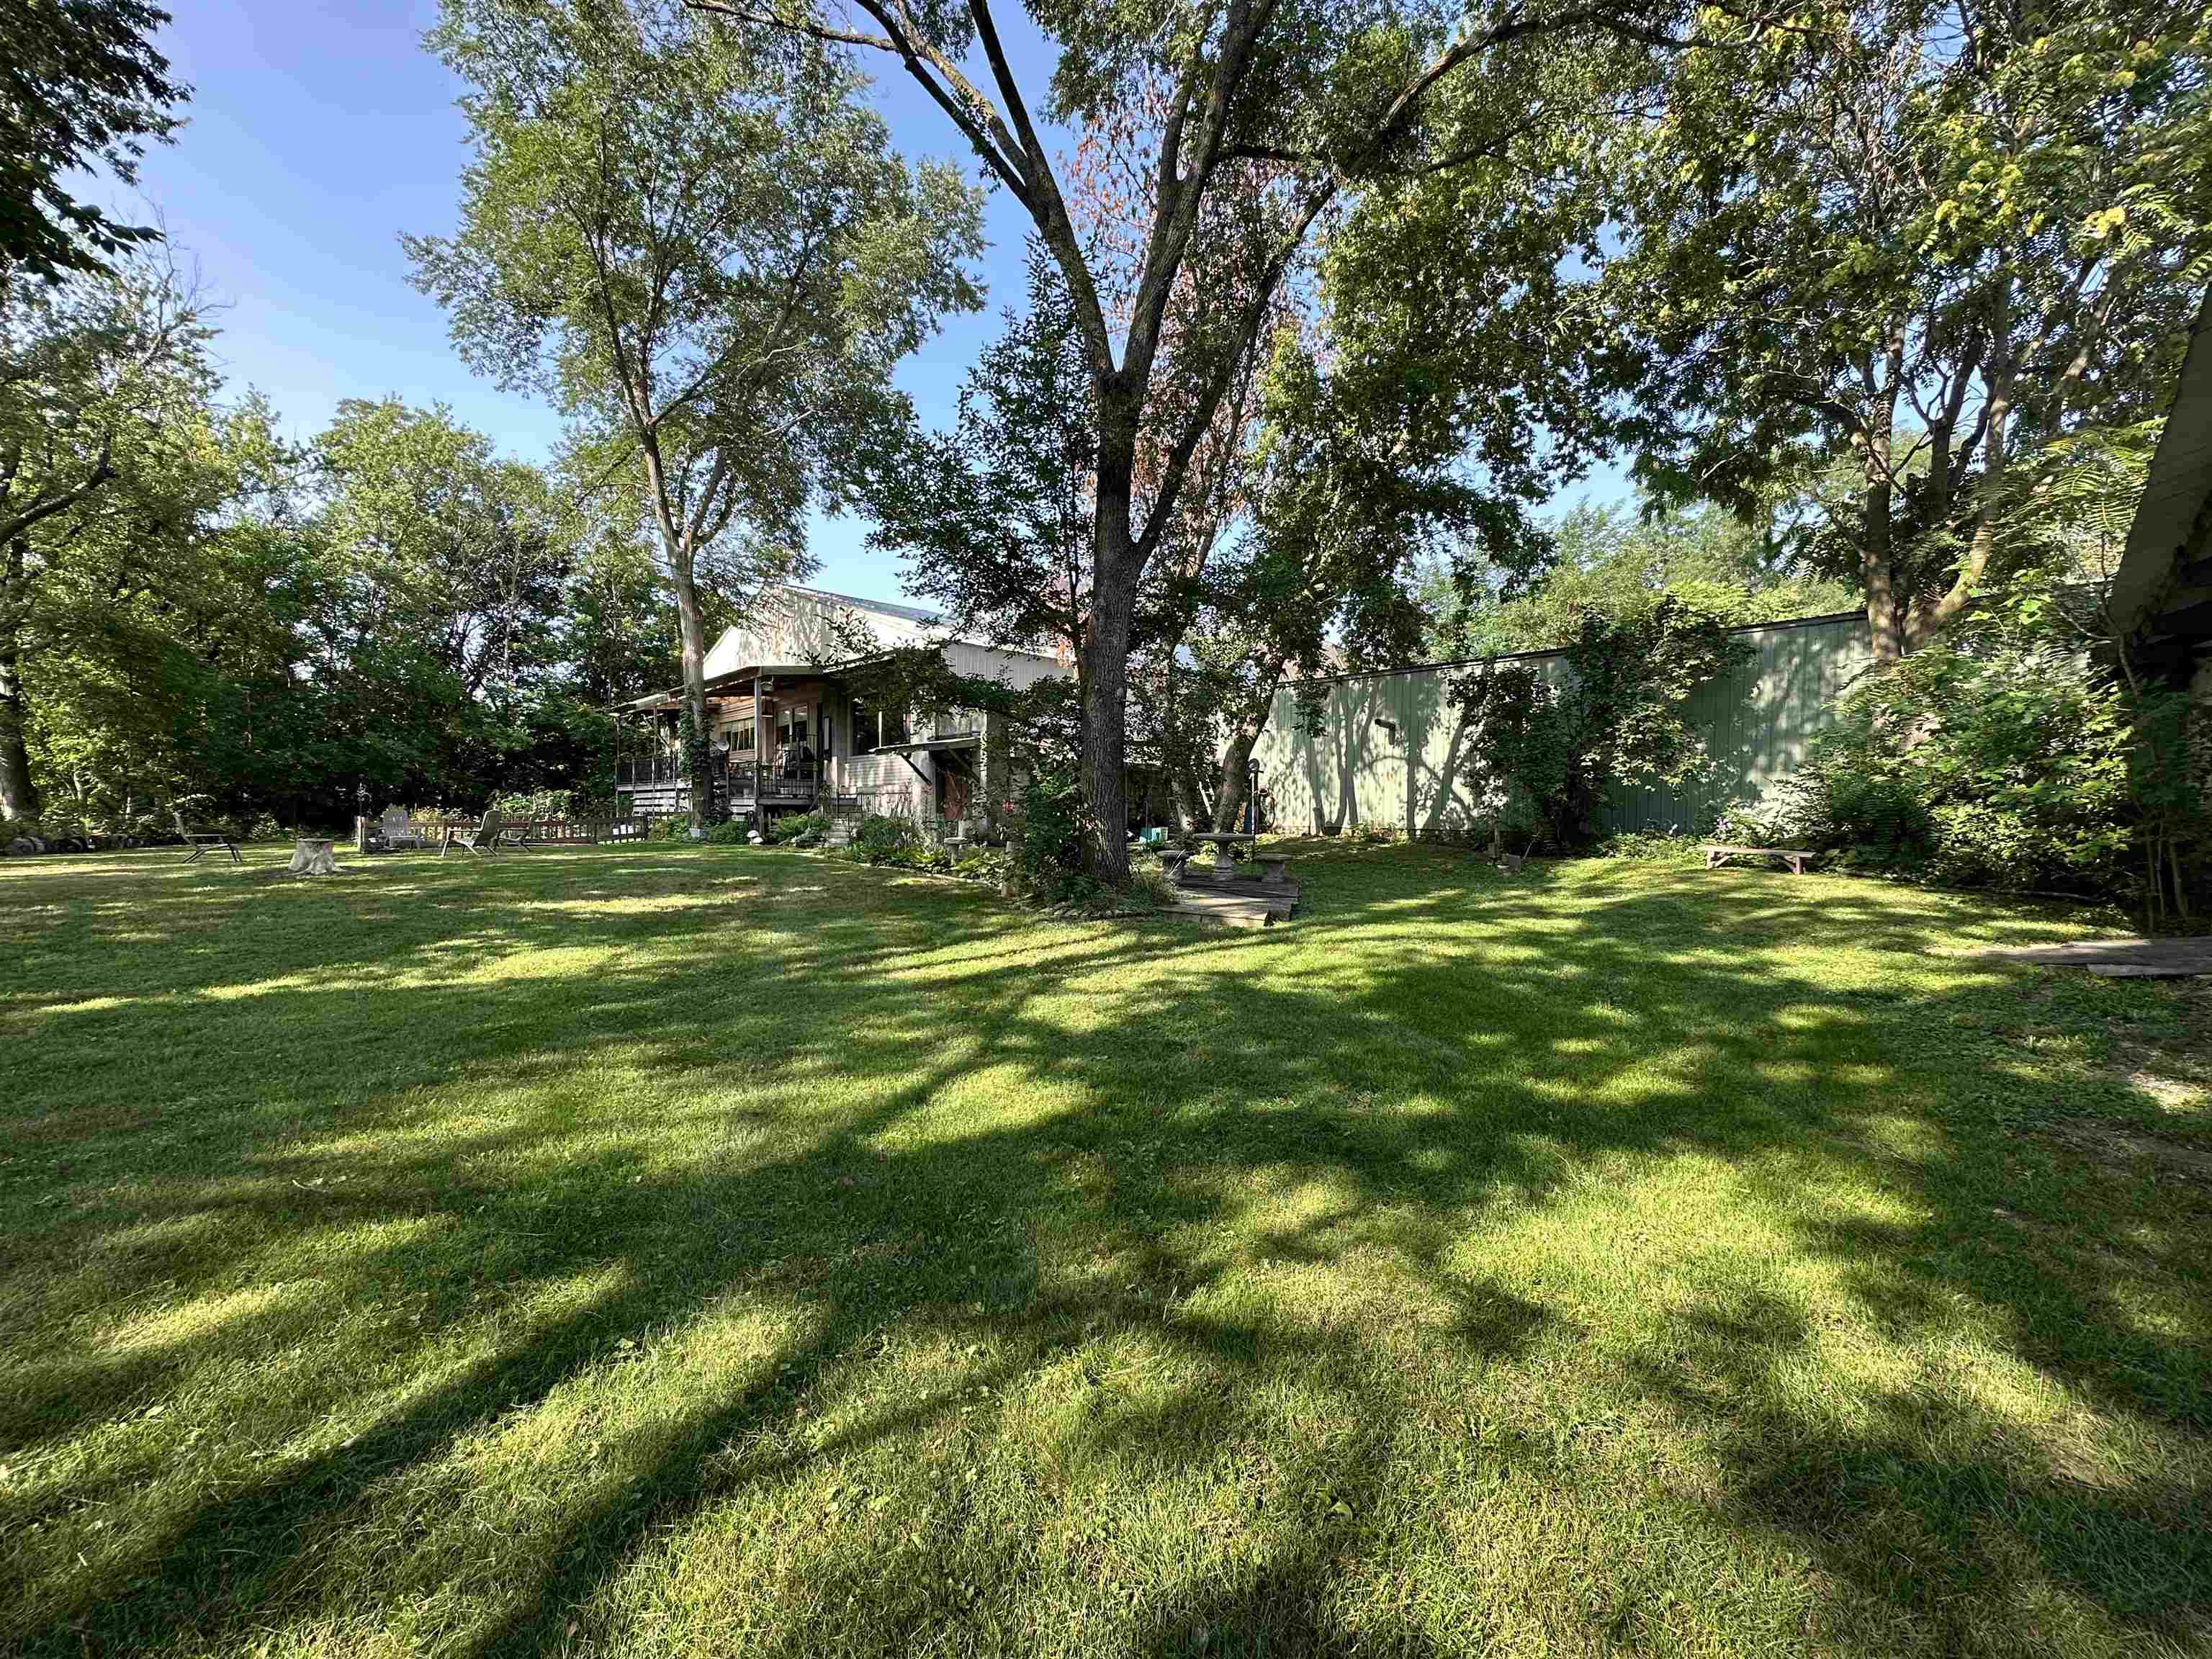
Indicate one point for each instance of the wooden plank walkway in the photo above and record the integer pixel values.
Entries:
(2114, 958)
(1244, 902)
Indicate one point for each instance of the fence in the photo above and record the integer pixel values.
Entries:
(375, 834)
(1392, 750)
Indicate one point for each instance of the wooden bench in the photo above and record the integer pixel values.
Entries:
(1716, 856)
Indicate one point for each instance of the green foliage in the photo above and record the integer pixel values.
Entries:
(1612, 559)
(1651, 847)
(730, 832)
(993, 519)
(882, 839)
(83, 89)
(2008, 768)
(798, 829)
(1049, 854)
(189, 603)
(1925, 242)
(540, 803)
(1547, 750)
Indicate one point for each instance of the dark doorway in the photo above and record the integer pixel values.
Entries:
(956, 783)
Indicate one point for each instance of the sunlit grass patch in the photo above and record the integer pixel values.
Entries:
(647, 1250)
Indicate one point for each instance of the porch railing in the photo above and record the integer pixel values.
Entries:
(795, 783)
(649, 770)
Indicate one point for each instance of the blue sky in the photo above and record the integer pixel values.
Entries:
(320, 131)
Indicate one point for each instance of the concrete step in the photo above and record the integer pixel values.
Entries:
(1229, 910)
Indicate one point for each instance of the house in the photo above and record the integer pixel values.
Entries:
(2162, 595)
(791, 726)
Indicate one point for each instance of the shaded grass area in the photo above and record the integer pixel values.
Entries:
(651, 1250)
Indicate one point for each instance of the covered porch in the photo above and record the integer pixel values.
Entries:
(772, 744)
(795, 738)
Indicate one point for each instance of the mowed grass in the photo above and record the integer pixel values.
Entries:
(672, 1250)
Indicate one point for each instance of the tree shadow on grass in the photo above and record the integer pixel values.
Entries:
(1208, 1116)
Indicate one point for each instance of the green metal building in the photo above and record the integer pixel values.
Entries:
(1393, 752)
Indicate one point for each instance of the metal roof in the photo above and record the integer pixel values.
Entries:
(929, 745)
(737, 678)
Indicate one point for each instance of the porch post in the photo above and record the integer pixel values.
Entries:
(760, 742)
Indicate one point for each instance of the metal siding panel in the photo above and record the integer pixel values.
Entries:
(1756, 722)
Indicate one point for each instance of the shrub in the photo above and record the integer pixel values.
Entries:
(2010, 769)
(1651, 847)
(730, 832)
(539, 804)
(799, 828)
(882, 839)
(1047, 860)
(1547, 750)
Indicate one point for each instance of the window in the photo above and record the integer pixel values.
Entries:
(874, 728)
(740, 737)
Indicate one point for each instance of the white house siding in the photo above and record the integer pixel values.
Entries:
(1393, 751)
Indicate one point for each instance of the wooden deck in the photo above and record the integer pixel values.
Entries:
(2114, 959)
(1246, 902)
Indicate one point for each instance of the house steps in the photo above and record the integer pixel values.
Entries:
(845, 816)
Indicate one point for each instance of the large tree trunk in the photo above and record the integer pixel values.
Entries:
(1876, 440)
(19, 796)
(1116, 567)
(1878, 548)
(1105, 708)
(692, 632)
(1933, 615)
(1229, 803)
(1190, 808)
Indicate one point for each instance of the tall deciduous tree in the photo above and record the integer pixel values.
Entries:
(102, 379)
(1935, 234)
(81, 88)
(993, 518)
(695, 239)
(1245, 124)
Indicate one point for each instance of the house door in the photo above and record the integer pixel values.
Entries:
(956, 783)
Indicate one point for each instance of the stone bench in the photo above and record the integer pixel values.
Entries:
(1274, 872)
(1716, 855)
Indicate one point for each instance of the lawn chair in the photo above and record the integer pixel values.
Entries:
(482, 840)
(398, 829)
(202, 841)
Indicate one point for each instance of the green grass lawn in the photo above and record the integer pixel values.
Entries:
(657, 1250)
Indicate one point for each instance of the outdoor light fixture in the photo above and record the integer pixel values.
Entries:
(1388, 725)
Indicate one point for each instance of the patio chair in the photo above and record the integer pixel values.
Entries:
(398, 829)
(202, 841)
(482, 840)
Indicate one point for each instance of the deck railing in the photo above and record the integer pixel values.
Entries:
(793, 783)
(649, 770)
